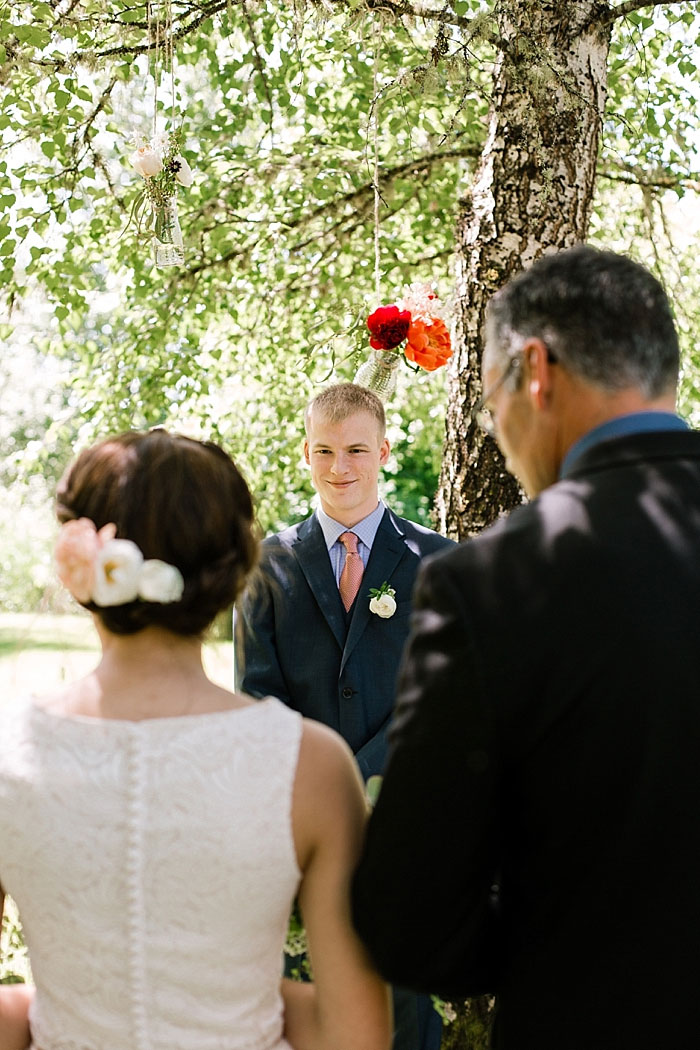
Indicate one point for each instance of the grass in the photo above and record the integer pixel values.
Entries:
(39, 652)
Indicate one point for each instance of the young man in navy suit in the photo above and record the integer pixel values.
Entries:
(320, 648)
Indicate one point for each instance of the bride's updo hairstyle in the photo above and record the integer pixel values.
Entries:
(181, 501)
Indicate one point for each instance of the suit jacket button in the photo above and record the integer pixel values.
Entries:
(347, 693)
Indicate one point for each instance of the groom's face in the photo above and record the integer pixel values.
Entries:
(345, 459)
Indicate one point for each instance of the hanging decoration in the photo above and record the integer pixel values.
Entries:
(414, 320)
(413, 327)
(158, 160)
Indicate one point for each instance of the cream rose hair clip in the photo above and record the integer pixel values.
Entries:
(96, 567)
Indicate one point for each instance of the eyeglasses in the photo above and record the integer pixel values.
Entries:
(483, 416)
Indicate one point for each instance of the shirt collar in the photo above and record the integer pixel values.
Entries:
(634, 423)
(365, 530)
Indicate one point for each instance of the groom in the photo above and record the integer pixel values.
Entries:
(306, 631)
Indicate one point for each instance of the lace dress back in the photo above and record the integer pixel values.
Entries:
(153, 865)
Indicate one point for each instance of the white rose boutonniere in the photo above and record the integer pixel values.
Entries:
(383, 601)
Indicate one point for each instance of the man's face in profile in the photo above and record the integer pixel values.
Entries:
(522, 427)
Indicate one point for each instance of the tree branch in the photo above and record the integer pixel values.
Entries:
(659, 182)
(404, 9)
(354, 197)
(630, 6)
(183, 30)
(257, 57)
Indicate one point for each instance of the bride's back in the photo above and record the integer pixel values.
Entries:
(154, 869)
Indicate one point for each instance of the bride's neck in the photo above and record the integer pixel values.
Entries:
(150, 673)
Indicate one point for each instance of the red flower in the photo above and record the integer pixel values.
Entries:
(428, 344)
(388, 326)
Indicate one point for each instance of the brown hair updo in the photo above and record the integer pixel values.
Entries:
(181, 501)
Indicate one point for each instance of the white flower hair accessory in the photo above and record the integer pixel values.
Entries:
(383, 601)
(96, 567)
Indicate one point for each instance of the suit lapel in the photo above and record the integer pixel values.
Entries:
(312, 555)
(387, 551)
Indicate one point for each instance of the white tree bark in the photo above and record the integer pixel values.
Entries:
(531, 193)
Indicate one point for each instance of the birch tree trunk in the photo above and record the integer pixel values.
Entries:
(532, 192)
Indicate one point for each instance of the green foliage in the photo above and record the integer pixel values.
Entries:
(14, 962)
(277, 105)
(652, 97)
(470, 1024)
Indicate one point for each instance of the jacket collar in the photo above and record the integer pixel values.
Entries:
(309, 546)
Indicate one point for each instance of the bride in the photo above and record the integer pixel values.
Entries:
(156, 828)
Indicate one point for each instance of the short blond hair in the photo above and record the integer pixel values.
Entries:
(341, 400)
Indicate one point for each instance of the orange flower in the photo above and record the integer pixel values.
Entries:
(428, 344)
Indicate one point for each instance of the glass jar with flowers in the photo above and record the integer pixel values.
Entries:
(416, 321)
(162, 167)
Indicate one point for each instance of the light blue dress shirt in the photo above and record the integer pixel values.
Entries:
(634, 423)
(365, 531)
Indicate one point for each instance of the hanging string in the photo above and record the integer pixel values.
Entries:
(170, 46)
(151, 63)
(161, 53)
(154, 58)
(377, 196)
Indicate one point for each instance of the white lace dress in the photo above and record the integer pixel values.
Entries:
(154, 868)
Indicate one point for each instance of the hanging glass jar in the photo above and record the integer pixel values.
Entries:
(380, 373)
(168, 246)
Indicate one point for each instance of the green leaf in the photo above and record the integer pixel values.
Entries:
(34, 35)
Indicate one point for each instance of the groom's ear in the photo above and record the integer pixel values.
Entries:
(384, 450)
(306, 451)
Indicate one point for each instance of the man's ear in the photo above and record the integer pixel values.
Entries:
(384, 450)
(538, 372)
(306, 452)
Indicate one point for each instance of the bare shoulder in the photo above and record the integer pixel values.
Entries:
(325, 760)
(329, 800)
(323, 743)
(62, 700)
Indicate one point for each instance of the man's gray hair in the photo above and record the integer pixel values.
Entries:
(603, 316)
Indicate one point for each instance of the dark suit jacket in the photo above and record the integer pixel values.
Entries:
(299, 645)
(547, 740)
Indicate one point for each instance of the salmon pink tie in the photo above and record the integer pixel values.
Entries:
(351, 576)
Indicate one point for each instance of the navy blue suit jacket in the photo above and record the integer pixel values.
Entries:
(297, 642)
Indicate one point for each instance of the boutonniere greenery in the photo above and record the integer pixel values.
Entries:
(382, 601)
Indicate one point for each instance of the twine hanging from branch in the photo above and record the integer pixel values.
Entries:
(411, 328)
(161, 53)
(160, 162)
(375, 177)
